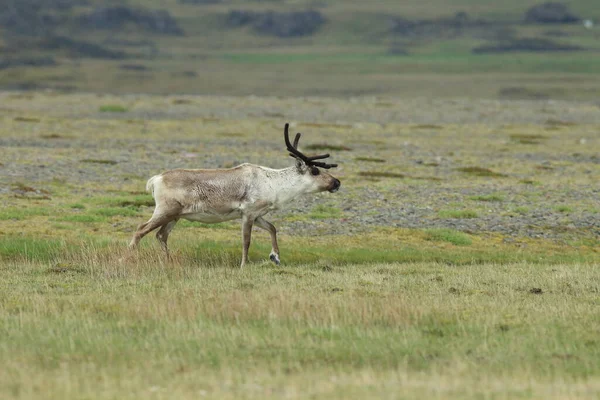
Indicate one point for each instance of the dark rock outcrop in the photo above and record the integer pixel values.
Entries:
(447, 27)
(24, 17)
(200, 2)
(34, 17)
(550, 13)
(155, 21)
(27, 62)
(526, 45)
(78, 48)
(279, 24)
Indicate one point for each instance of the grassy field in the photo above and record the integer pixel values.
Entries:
(459, 259)
(93, 328)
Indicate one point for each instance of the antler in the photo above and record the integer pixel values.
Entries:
(294, 152)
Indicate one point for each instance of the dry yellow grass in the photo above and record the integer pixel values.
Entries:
(91, 326)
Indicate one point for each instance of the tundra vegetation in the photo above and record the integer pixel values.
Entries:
(480, 283)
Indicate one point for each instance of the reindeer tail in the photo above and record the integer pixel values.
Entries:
(150, 184)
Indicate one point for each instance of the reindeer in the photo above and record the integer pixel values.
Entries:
(247, 191)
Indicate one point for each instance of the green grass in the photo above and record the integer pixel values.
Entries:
(323, 211)
(525, 138)
(114, 211)
(289, 58)
(564, 208)
(194, 246)
(139, 200)
(522, 210)
(450, 236)
(82, 218)
(457, 214)
(21, 213)
(529, 182)
(480, 171)
(436, 61)
(30, 248)
(112, 108)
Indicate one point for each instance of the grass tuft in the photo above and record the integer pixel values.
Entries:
(479, 171)
(140, 200)
(524, 138)
(529, 182)
(324, 212)
(381, 174)
(21, 187)
(521, 210)
(427, 126)
(465, 214)
(488, 198)
(31, 249)
(27, 119)
(98, 161)
(449, 235)
(54, 136)
(564, 208)
(182, 101)
(115, 211)
(370, 159)
(558, 122)
(112, 108)
(82, 218)
(21, 213)
(324, 146)
(61, 268)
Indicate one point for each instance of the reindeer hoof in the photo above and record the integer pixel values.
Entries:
(274, 258)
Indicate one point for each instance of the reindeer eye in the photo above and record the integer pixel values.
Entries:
(315, 171)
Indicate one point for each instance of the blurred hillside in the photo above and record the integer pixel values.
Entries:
(474, 48)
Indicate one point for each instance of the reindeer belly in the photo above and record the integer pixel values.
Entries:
(209, 218)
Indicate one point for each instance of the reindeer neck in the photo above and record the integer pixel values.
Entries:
(287, 185)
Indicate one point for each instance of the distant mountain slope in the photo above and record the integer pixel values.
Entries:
(334, 47)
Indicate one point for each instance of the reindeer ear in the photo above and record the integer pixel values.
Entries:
(300, 165)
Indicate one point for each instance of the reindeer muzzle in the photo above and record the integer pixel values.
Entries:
(335, 185)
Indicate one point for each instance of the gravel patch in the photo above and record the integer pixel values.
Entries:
(544, 189)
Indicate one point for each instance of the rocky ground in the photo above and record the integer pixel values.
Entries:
(511, 168)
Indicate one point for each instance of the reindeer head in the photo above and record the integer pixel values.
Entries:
(309, 168)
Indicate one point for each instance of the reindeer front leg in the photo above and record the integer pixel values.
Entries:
(247, 223)
(266, 225)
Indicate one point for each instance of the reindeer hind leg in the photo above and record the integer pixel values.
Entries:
(163, 235)
(145, 228)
